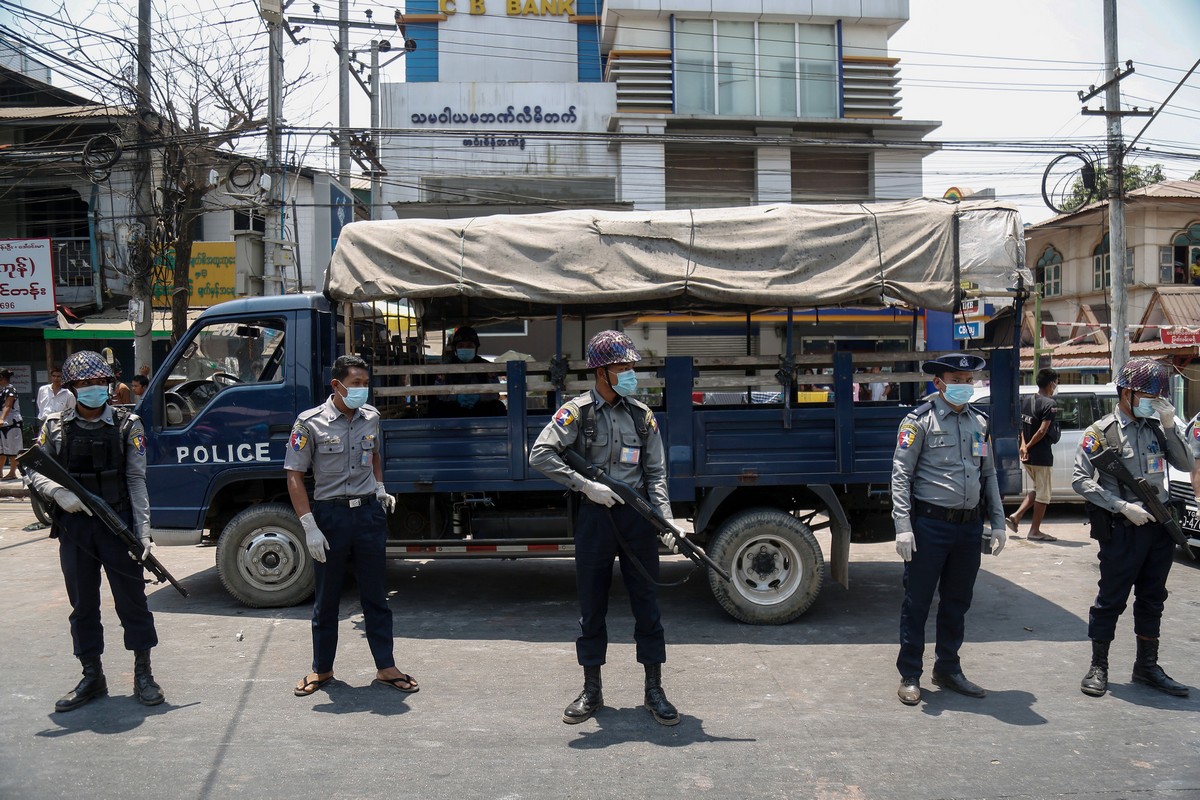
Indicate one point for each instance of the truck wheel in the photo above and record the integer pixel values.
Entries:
(262, 559)
(775, 562)
(40, 510)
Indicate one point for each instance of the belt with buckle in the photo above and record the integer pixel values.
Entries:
(947, 514)
(350, 502)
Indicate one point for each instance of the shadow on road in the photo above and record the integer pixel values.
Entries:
(106, 715)
(370, 699)
(622, 725)
(1012, 707)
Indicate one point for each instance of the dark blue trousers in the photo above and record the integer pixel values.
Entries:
(84, 546)
(946, 561)
(357, 537)
(1137, 558)
(595, 547)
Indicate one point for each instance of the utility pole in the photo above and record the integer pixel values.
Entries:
(376, 173)
(273, 233)
(1119, 302)
(141, 307)
(344, 91)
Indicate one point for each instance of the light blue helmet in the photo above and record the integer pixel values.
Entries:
(85, 365)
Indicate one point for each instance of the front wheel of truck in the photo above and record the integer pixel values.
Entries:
(262, 559)
(776, 566)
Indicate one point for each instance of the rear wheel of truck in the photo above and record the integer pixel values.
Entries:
(262, 559)
(775, 562)
(40, 509)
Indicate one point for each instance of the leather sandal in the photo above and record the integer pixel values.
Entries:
(394, 683)
(308, 685)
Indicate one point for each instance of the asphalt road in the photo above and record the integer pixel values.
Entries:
(806, 710)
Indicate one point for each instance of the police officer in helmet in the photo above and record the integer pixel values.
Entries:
(1136, 552)
(944, 490)
(620, 435)
(104, 448)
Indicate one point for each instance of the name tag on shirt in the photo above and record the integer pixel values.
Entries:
(1155, 464)
(979, 445)
(631, 456)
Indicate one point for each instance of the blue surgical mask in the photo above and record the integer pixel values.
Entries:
(626, 383)
(355, 396)
(92, 396)
(1144, 408)
(465, 353)
(959, 394)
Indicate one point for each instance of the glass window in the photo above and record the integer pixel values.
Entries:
(1101, 272)
(735, 68)
(1049, 272)
(1071, 410)
(818, 71)
(221, 355)
(694, 86)
(776, 70)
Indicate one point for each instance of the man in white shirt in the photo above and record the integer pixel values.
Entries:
(53, 397)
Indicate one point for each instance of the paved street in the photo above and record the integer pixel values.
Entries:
(807, 710)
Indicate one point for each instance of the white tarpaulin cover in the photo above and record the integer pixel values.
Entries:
(609, 262)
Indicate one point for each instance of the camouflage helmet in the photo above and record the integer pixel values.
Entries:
(611, 347)
(84, 366)
(1146, 375)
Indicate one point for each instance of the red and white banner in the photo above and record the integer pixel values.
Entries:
(26, 277)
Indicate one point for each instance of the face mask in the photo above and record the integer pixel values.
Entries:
(959, 394)
(626, 383)
(1144, 408)
(92, 396)
(355, 397)
(465, 353)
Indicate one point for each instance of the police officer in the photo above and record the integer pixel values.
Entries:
(1135, 551)
(11, 441)
(346, 523)
(944, 489)
(104, 448)
(620, 435)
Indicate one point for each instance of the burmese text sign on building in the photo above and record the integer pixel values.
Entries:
(213, 276)
(26, 277)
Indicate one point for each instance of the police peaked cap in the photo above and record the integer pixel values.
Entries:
(955, 363)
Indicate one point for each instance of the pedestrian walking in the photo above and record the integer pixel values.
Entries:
(1039, 434)
(345, 524)
(11, 439)
(53, 397)
(944, 490)
(104, 448)
(617, 433)
(1135, 551)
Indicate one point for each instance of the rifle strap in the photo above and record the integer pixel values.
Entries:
(637, 562)
(1113, 441)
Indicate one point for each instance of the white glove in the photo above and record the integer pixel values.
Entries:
(386, 500)
(1135, 513)
(1165, 410)
(316, 541)
(69, 502)
(147, 549)
(671, 539)
(906, 545)
(600, 494)
(999, 537)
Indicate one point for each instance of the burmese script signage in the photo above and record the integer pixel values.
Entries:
(26, 277)
(513, 8)
(213, 276)
(528, 114)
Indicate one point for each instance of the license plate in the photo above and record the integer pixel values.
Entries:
(1191, 521)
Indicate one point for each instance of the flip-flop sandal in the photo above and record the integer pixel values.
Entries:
(307, 687)
(1011, 524)
(394, 683)
(1042, 537)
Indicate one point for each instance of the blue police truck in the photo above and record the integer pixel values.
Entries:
(773, 452)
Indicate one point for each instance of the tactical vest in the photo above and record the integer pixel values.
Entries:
(96, 458)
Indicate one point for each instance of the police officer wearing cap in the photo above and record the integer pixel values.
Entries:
(346, 522)
(944, 490)
(620, 435)
(104, 448)
(1135, 552)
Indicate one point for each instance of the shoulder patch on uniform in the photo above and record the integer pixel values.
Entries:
(1092, 442)
(299, 438)
(651, 422)
(41, 440)
(920, 410)
(906, 435)
(1196, 433)
(566, 416)
(137, 438)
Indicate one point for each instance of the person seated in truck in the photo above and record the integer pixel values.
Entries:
(464, 349)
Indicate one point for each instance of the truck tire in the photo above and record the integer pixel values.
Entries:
(262, 559)
(40, 509)
(776, 565)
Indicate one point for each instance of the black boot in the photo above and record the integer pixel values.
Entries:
(590, 700)
(1146, 669)
(1095, 683)
(656, 699)
(145, 689)
(92, 686)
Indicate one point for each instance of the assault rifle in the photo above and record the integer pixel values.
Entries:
(1108, 461)
(643, 506)
(35, 459)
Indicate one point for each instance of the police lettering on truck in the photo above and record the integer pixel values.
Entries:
(224, 453)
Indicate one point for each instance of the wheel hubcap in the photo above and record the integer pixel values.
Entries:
(766, 570)
(271, 559)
